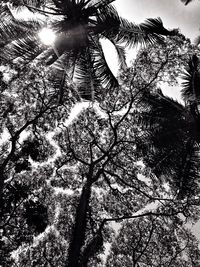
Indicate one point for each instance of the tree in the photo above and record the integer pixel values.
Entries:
(29, 111)
(35, 106)
(174, 142)
(63, 200)
(93, 183)
(77, 51)
(169, 137)
(151, 241)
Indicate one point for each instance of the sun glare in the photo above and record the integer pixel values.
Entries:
(47, 36)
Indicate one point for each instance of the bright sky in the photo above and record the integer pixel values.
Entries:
(173, 13)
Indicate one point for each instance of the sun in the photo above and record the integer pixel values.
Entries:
(47, 36)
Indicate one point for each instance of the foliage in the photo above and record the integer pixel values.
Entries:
(169, 138)
(79, 26)
(96, 179)
(153, 242)
(88, 192)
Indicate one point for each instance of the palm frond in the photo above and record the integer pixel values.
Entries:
(186, 177)
(12, 28)
(79, 66)
(155, 26)
(59, 61)
(85, 75)
(108, 22)
(158, 105)
(131, 34)
(164, 131)
(26, 49)
(102, 70)
(100, 3)
(191, 81)
(6, 12)
(145, 33)
(121, 52)
(121, 56)
(59, 80)
(68, 8)
(186, 2)
(67, 66)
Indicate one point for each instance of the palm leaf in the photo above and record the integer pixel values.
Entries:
(9, 26)
(191, 81)
(121, 56)
(98, 3)
(26, 48)
(157, 105)
(65, 60)
(145, 33)
(164, 131)
(102, 70)
(155, 26)
(187, 175)
(85, 76)
(59, 80)
(68, 8)
(108, 22)
(186, 2)
(168, 143)
(70, 67)
(12, 29)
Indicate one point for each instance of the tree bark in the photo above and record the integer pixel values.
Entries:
(78, 233)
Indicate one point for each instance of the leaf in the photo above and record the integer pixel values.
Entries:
(102, 70)
(12, 28)
(186, 2)
(27, 49)
(145, 33)
(108, 22)
(121, 55)
(85, 77)
(191, 81)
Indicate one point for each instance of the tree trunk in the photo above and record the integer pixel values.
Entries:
(78, 233)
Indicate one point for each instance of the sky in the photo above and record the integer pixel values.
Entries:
(173, 13)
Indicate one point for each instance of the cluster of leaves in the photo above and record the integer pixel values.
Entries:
(153, 242)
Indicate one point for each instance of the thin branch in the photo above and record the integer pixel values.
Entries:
(116, 219)
(147, 243)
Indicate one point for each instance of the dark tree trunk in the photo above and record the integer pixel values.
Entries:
(78, 233)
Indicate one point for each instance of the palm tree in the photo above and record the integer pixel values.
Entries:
(170, 142)
(79, 26)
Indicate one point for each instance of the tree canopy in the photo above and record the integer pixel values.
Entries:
(79, 27)
(118, 184)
